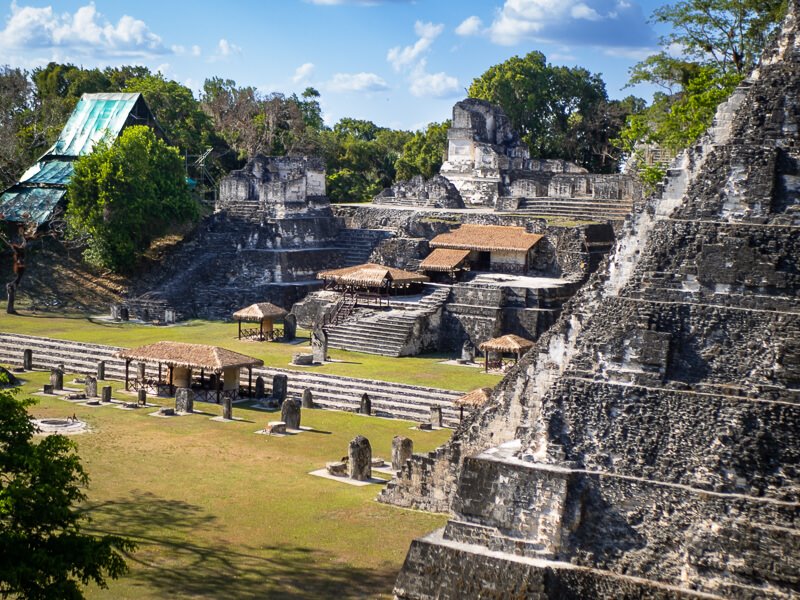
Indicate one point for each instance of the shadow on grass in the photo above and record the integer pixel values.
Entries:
(173, 558)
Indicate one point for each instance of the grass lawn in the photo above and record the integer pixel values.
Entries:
(220, 512)
(425, 370)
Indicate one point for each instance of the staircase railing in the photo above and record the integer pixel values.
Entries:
(341, 310)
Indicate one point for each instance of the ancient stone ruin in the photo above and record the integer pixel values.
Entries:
(359, 459)
(647, 447)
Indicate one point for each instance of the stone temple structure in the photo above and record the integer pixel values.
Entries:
(649, 446)
(271, 231)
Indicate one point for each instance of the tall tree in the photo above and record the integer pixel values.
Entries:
(43, 551)
(548, 105)
(124, 195)
(424, 153)
(16, 114)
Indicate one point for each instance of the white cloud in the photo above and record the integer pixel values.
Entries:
(84, 33)
(405, 56)
(225, 48)
(470, 26)
(356, 82)
(576, 21)
(303, 72)
(432, 85)
(196, 50)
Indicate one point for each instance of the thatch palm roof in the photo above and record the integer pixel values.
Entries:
(193, 356)
(474, 398)
(507, 343)
(371, 275)
(487, 238)
(443, 259)
(259, 312)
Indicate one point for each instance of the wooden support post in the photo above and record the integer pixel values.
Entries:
(250, 381)
(159, 372)
(219, 383)
(171, 368)
(240, 329)
(486, 360)
(203, 376)
(127, 366)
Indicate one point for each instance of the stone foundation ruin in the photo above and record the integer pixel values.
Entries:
(648, 446)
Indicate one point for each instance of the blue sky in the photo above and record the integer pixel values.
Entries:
(399, 63)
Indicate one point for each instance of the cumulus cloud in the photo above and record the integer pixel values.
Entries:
(356, 82)
(470, 26)
(432, 85)
(303, 72)
(402, 57)
(84, 33)
(226, 49)
(618, 23)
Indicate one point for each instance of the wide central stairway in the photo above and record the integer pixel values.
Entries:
(578, 209)
(395, 331)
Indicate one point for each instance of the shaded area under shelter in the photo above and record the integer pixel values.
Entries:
(472, 400)
(506, 344)
(219, 369)
(263, 313)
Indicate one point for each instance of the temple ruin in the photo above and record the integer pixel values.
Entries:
(647, 447)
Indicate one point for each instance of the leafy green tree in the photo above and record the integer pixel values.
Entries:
(720, 42)
(424, 153)
(16, 114)
(43, 551)
(550, 106)
(124, 195)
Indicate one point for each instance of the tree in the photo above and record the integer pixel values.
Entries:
(43, 550)
(548, 105)
(16, 113)
(125, 194)
(720, 42)
(424, 153)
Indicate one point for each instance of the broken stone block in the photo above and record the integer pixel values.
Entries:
(275, 427)
(436, 416)
(468, 352)
(402, 449)
(90, 387)
(377, 463)
(57, 378)
(425, 427)
(290, 414)
(141, 372)
(27, 359)
(47, 388)
(280, 383)
(359, 459)
(166, 411)
(337, 469)
(142, 397)
(259, 388)
(227, 408)
(308, 399)
(289, 327)
(105, 393)
(319, 345)
(366, 405)
(303, 359)
(184, 400)
(101, 370)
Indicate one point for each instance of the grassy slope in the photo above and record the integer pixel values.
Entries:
(221, 512)
(426, 371)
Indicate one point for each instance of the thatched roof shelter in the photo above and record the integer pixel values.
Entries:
(473, 400)
(487, 238)
(259, 312)
(371, 275)
(444, 260)
(190, 356)
(507, 344)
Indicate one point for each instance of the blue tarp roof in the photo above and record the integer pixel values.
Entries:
(41, 188)
(96, 116)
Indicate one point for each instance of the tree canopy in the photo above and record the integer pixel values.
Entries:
(555, 109)
(125, 194)
(43, 551)
(424, 153)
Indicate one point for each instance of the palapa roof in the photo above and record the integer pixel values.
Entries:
(259, 312)
(487, 238)
(476, 398)
(443, 259)
(195, 356)
(371, 275)
(507, 343)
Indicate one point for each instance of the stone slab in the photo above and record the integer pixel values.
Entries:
(325, 475)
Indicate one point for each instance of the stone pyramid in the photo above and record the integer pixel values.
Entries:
(649, 446)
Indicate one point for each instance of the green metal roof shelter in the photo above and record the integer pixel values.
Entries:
(96, 117)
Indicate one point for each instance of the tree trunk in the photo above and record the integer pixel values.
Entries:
(11, 290)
